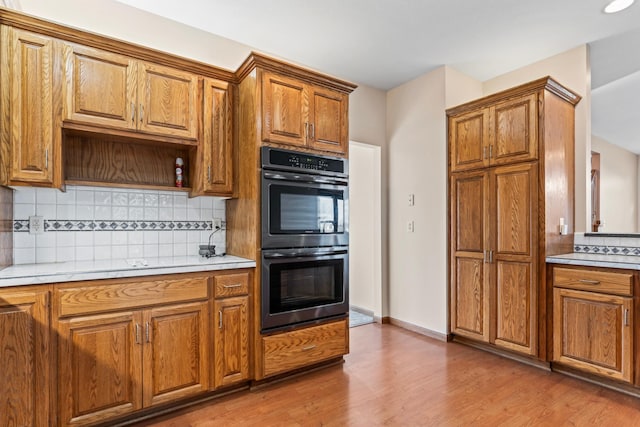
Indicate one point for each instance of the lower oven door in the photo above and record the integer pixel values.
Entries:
(303, 285)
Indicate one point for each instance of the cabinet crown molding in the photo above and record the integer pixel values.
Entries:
(258, 60)
(547, 83)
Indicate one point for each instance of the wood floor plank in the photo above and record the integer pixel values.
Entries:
(395, 377)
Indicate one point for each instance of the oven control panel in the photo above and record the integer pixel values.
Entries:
(290, 160)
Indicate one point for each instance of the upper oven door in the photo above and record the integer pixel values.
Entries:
(303, 210)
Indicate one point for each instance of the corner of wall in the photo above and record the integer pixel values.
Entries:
(6, 227)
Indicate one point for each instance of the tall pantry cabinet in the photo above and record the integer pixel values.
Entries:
(511, 183)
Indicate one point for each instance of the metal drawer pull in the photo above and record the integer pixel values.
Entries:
(237, 285)
(589, 282)
(147, 331)
(626, 317)
(137, 333)
(133, 112)
(220, 319)
(309, 347)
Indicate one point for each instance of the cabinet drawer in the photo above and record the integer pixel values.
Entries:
(291, 350)
(229, 285)
(592, 280)
(88, 297)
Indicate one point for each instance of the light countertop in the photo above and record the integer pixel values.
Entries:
(34, 274)
(596, 260)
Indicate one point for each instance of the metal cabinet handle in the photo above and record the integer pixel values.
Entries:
(209, 173)
(133, 112)
(219, 319)
(490, 151)
(147, 332)
(309, 347)
(306, 130)
(313, 131)
(237, 285)
(484, 152)
(141, 113)
(626, 317)
(589, 282)
(137, 333)
(46, 158)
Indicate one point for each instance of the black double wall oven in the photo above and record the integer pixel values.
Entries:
(304, 239)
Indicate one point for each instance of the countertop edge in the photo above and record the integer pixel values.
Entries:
(589, 260)
(125, 273)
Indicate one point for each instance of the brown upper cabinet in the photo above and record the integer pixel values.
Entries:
(29, 142)
(303, 114)
(115, 91)
(498, 134)
(214, 169)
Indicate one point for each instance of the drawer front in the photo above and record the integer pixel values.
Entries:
(125, 294)
(230, 285)
(595, 281)
(291, 350)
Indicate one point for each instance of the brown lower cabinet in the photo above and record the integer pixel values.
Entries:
(593, 325)
(129, 344)
(118, 354)
(24, 351)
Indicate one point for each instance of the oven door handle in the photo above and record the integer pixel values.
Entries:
(302, 253)
(318, 179)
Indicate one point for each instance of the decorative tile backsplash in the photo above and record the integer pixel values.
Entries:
(606, 245)
(98, 223)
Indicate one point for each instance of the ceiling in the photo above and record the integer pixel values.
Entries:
(384, 43)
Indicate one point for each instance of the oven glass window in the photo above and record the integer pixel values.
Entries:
(300, 285)
(296, 210)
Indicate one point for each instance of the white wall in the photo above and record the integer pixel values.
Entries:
(365, 267)
(367, 124)
(416, 131)
(618, 187)
(571, 69)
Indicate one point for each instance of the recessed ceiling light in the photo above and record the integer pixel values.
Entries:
(617, 6)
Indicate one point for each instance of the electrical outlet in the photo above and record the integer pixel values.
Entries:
(36, 225)
(216, 224)
(412, 200)
(410, 227)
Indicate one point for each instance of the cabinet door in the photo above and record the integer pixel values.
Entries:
(24, 345)
(231, 341)
(329, 121)
(514, 212)
(99, 367)
(176, 357)
(217, 144)
(167, 101)
(515, 130)
(285, 110)
(593, 332)
(100, 88)
(469, 141)
(27, 91)
(469, 272)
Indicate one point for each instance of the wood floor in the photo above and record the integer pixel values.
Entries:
(394, 377)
